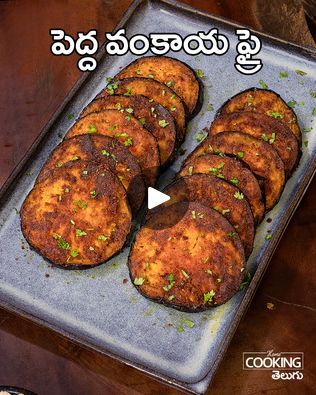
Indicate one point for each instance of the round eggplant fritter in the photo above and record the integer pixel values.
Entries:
(128, 131)
(105, 150)
(78, 216)
(266, 102)
(151, 115)
(153, 90)
(259, 155)
(217, 194)
(172, 72)
(192, 265)
(233, 171)
(263, 127)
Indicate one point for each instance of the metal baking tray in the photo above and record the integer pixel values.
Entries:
(94, 307)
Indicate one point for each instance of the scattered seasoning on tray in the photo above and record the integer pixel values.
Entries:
(187, 323)
(70, 116)
(307, 130)
(200, 73)
(200, 136)
(313, 93)
(263, 84)
(270, 306)
(300, 72)
(268, 236)
(246, 281)
(314, 112)
(283, 74)
(210, 107)
(306, 143)
(292, 103)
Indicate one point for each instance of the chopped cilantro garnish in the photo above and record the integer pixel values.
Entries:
(85, 172)
(208, 296)
(70, 116)
(109, 79)
(112, 127)
(187, 323)
(111, 88)
(128, 142)
(199, 73)
(264, 137)
(142, 121)
(172, 96)
(268, 236)
(313, 93)
(292, 103)
(128, 117)
(163, 123)
(200, 136)
(121, 134)
(102, 237)
(190, 170)
(232, 234)
(129, 110)
(82, 204)
(284, 74)
(272, 138)
(128, 92)
(234, 181)
(180, 329)
(210, 107)
(275, 114)
(307, 130)
(91, 128)
(74, 253)
(170, 278)
(238, 195)
(170, 83)
(93, 193)
(80, 233)
(139, 281)
(105, 152)
(263, 84)
(246, 281)
(62, 243)
(240, 154)
(300, 72)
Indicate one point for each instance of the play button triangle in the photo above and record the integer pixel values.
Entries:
(155, 198)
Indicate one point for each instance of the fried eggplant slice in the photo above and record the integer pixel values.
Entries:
(156, 91)
(262, 127)
(193, 264)
(221, 196)
(233, 171)
(128, 131)
(266, 102)
(105, 150)
(152, 116)
(260, 156)
(77, 217)
(172, 72)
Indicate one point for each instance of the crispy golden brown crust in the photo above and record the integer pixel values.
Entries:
(156, 91)
(263, 127)
(217, 194)
(259, 155)
(128, 131)
(192, 265)
(266, 102)
(233, 171)
(150, 114)
(107, 151)
(78, 216)
(177, 75)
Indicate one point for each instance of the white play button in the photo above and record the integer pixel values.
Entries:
(155, 198)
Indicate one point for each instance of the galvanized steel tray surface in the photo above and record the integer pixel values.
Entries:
(94, 307)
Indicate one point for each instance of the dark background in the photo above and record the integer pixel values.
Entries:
(33, 83)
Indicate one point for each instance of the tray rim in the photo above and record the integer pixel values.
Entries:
(289, 211)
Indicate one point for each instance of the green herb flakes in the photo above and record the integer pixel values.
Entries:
(151, 75)
(240, 154)
(80, 203)
(70, 116)
(306, 143)
(246, 281)
(163, 123)
(307, 130)
(283, 74)
(109, 79)
(199, 73)
(300, 72)
(234, 181)
(210, 107)
(59, 164)
(187, 323)
(193, 214)
(80, 233)
(232, 234)
(263, 84)
(128, 142)
(142, 121)
(180, 329)
(292, 103)
(93, 193)
(190, 170)
(275, 114)
(268, 236)
(111, 88)
(313, 94)
(74, 253)
(139, 281)
(209, 296)
(314, 112)
(62, 243)
(91, 129)
(170, 83)
(128, 92)
(102, 237)
(105, 152)
(238, 195)
(200, 136)
(185, 274)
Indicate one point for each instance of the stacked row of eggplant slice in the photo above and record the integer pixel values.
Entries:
(191, 252)
(80, 211)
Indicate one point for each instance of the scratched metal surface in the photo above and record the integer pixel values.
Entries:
(94, 307)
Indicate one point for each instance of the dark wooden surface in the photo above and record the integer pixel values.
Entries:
(33, 83)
